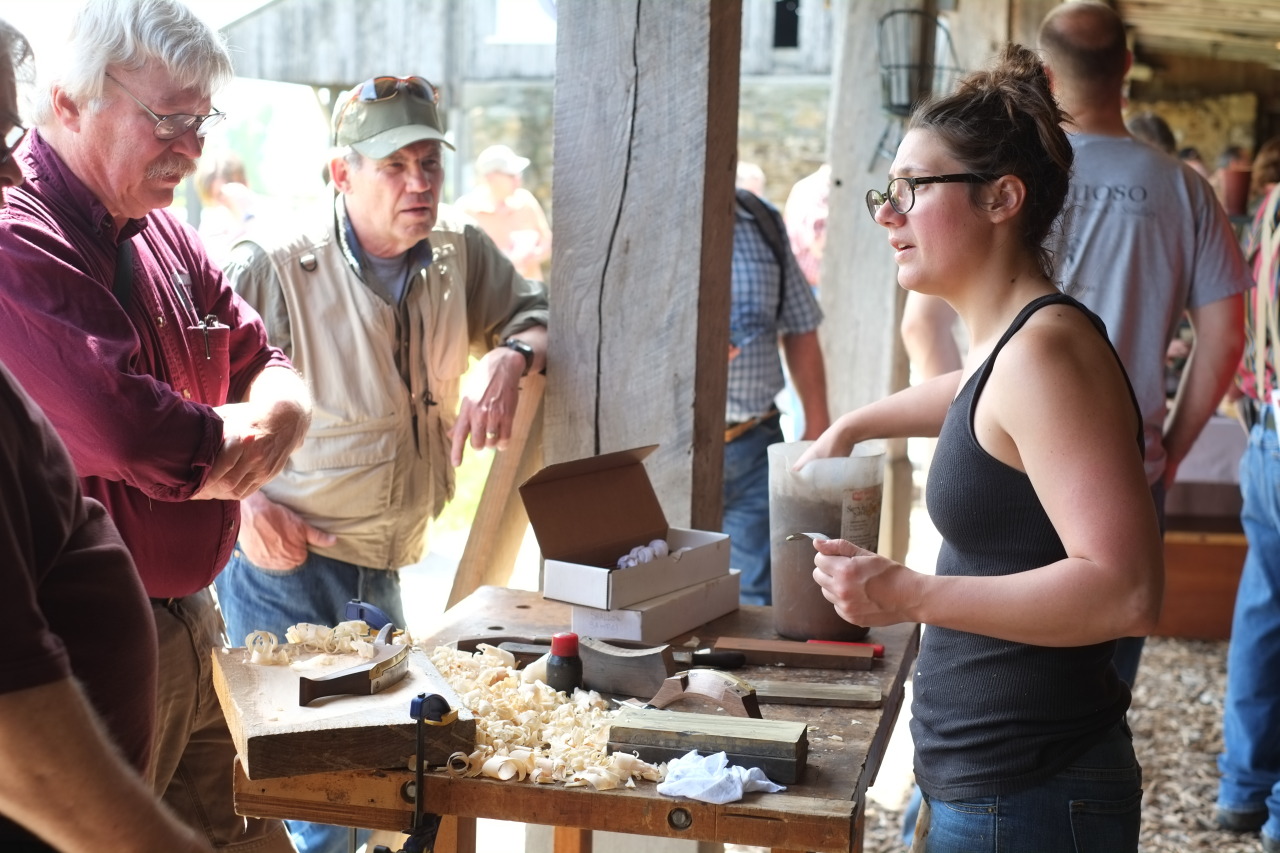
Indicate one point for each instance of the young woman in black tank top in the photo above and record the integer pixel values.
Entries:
(1050, 547)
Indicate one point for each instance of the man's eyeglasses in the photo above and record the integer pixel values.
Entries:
(12, 139)
(385, 88)
(901, 192)
(174, 125)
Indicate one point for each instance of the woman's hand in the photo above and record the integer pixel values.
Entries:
(833, 442)
(865, 588)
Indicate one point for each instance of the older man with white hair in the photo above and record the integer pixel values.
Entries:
(158, 378)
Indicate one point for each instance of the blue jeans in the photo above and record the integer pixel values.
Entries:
(257, 599)
(746, 509)
(1093, 806)
(1250, 764)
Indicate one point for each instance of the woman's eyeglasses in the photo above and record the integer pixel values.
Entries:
(12, 139)
(174, 125)
(901, 192)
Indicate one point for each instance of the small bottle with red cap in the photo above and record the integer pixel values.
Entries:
(564, 667)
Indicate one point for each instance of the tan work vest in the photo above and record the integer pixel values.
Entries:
(362, 473)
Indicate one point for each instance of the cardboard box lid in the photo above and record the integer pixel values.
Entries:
(594, 510)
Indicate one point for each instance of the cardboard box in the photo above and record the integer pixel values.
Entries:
(659, 619)
(589, 512)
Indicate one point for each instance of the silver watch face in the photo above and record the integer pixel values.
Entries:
(523, 348)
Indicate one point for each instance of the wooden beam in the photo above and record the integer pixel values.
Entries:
(500, 522)
(645, 133)
(865, 359)
(860, 296)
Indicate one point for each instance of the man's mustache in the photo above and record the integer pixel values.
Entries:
(172, 166)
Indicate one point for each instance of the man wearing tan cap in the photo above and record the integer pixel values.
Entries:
(508, 212)
(381, 303)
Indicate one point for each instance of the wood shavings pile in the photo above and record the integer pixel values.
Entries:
(528, 732)
(1176, 719)
(353, 637)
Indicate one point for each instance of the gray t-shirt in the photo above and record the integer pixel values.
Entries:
(1145, 239)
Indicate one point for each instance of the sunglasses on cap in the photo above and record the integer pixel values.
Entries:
(385, 88)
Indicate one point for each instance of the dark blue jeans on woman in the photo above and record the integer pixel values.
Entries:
(1093, 806)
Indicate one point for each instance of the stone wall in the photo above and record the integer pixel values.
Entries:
(1208, 124)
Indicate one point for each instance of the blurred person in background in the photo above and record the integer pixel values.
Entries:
(805, 213)
(1265, 172)
(509, 213)
(1249, 790)
(1153, 130)
(228, 206)
(773, 317)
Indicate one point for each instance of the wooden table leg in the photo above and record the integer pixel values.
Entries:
(571, 839)
(456, 835)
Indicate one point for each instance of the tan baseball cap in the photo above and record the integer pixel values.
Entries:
(384, 114)
(500, 158)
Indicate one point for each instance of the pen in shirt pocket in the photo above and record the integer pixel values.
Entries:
(182, 288)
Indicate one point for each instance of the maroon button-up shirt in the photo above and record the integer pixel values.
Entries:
(130, 390)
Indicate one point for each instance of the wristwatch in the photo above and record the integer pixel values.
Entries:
(522, 348)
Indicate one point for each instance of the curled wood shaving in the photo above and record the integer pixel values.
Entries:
(530, 733)
(263, 650)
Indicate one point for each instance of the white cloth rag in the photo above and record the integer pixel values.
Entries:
(712, 779)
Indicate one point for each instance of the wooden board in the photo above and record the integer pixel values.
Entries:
(276, 737)
(778, 747)
(813, 693)
(792, 653)
(711, 732)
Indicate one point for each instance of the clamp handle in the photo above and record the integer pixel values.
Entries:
(432, 709)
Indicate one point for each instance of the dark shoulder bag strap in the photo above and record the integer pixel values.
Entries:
(772, 234)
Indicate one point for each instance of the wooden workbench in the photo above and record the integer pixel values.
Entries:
(822, 813)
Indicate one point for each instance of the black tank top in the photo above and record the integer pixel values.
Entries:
(992, 717)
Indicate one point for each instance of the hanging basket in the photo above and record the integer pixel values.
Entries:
(917, 61)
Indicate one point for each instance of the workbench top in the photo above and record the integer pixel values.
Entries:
(821, 813)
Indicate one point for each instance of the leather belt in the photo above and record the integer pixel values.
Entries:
(739, 428)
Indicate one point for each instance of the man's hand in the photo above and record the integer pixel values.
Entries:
(489, 407)
(258, 436)
(274, 537)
